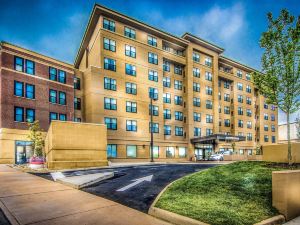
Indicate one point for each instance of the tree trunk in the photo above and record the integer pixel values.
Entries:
(289, 138)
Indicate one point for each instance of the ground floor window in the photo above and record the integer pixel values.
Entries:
(170, 152)
(182, 152)
(241, 151)
(155, 151)
(111, 151)
(131, 151)
(249, 151)
(24, 151)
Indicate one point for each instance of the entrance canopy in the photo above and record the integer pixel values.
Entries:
(212, 139)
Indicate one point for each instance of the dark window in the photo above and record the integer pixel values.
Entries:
(62, 76)
(110, 84)
(109, 44)
(131, 88)
(19, 64)
(111, 123)
(77, 83)
(153, 93)
(154, 127)
(178, 131)
(130, 51)
(30, 91)
(53, 116)
(62, 98)
(154, 110)
(63, 117)
(110, 103)
(130, 69)
(19, 89)
(30, 115)
(109, 64)
(19, 114)
(111, 151)
(52, 73)
(30, 67)
(109, 25)
(129, 32)
(152, 58)
(77, 103)
(131, 107)
(152, 41)
(52, 96)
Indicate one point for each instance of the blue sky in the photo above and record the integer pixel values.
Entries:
(55, 28)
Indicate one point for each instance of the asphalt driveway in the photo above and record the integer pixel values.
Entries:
(137, 186)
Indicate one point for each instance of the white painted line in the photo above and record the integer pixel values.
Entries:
(136, 182)
(57, 175)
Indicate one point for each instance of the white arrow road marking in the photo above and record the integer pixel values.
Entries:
(57, 175)
(136, 182)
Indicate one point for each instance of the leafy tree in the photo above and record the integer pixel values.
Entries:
(37, 138)
(279, 81)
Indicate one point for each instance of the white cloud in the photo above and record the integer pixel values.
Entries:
(282, 117)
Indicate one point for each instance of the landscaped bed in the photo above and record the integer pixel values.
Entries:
(237, 193)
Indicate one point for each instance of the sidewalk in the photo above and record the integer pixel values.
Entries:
(295, 221)
(28, 199)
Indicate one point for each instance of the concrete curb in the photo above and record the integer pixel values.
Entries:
(276, 220)
(8, 214)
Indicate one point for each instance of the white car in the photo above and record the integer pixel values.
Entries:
(216, 157)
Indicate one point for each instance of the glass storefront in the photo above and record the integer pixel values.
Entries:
(23, 151)
(203, 151)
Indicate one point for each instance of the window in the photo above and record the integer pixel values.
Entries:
(131, 125)
(248, 89)
(196, 57)
(248, 100)
(131, 88)
(62, 117)
(110, 84)
(266, 116)
(240, 86)
(240, 98)
(209, 131)
(130, 51)
(52, 96)
(208, 76)
(130, 69)
(167, 130)
(196, 87)
(240, 134)
(182, 152)
(196, 72)
(209, 104)
(153, 75)
(196, 102)
(197, 117)
(240, 123)
(62, 98)
(249, 112)
(249, 124)
(273, 139)
(77, 103)
(166, 66)
(154, 127)
(178, 116)
(154, 110)
(167, 114)
(266, 138)
(179, 131)
(109, 44)
(209, 118)
(226, 110)
(226, 84)
(241, 151)
(109, 25)
(177, 100)
(61, 76)
(109, 64)
(152, 58)
(131, 107)
(19, 114)
(129, 32)
(131, 151)
(152, 41)
(167, 98)
(53, 116)
(197, 132)
(52, 73)
(208, 62)
(273, 128)
(249, 136)
(272, 117)
(155, 152)
(30, 67)
(178, 69)
(77, 119)
(166, 82)
(30, 115)
(77, 83)
(178, 84)
(170, 152)
(226, 97)
(273, 107)
(240, 111)
(266, 106)
(30, 91)
(248, 76)
(111, 151)
(266, 128)
(208, 90)
(239, 74)
(153, 93)
(227, 122)
(18, 88)
(19, 64)
(111, 123)
(110, 103)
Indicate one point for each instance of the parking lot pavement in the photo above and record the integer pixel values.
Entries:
(137, 186)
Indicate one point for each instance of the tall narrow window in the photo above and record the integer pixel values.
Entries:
(52, 73)
(30, 91)
(19, 64)
(19, 89)
(19, 114)
(30, 67)
(30, 115)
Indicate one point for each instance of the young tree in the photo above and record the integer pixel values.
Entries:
(279, 81)
(36, 137)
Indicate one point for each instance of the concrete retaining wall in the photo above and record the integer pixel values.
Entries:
(75, 145)
(279, 153)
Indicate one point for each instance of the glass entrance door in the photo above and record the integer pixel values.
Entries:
(23, 152)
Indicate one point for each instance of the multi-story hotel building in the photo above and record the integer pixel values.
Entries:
(202, 101)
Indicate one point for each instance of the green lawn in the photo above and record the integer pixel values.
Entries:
(237, 193)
